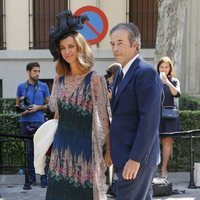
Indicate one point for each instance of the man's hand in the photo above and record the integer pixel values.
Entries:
(130, 169)
(33, 108)
(25, 112)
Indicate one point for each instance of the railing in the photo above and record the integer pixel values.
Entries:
(14, 154)
(8, 142)
(191, 134)
(2, 25)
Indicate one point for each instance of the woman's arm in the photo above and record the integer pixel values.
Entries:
(175, 90)
(101, 106)
(56, 115)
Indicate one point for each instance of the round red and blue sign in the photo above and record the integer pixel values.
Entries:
(96, 28)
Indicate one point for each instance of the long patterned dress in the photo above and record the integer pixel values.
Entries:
(76, 170)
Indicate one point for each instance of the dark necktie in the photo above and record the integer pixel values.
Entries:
(119, 79)
(121, 75)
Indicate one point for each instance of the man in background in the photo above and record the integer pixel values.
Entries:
(32, 99)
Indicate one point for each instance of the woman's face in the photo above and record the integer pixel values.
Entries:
(164, 67)
(68, 49)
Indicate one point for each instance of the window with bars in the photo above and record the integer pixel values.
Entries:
(1, 88)
(144, 13)
(2, 28)
(49, 82)
(43, 17)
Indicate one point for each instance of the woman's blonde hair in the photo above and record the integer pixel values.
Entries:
(85, 56)
(167, 60)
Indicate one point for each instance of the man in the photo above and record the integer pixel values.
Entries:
(32, 99)
(136, 100)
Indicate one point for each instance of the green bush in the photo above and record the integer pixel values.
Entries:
(13, 154)
(7, 105)
(11, 150)
(9, 123)
(189, 103)
(189, 117)
(180, 161)
(190, 120)
(8, 117)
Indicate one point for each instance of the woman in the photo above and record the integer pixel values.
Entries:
(79, 100)
(171, 89)
(110, 73)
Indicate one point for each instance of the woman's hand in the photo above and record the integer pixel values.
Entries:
(172, 88)
(109, 94)
(165, 80)
(107, 158)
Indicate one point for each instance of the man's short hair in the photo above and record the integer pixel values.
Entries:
(31, 65)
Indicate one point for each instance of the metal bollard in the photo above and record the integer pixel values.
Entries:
(191, 183)
(26, 172)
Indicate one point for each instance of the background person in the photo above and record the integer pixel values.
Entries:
(109, 76)
(79, 99)
(32, 98)
(171, 89)
(135, 104)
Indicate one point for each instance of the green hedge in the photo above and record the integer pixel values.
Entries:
(189, 103)
(8, 117)
(7, 105)
(12, 152)
(189, 117)
(9, 123)
(180, 160)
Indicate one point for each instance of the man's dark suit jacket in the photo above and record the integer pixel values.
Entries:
(135, 116)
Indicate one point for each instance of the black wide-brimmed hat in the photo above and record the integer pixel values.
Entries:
(66, 23)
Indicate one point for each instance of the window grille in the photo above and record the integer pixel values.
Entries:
(144, 13)
(1, 88)
(2, 26)
(42, 15)
(49, 82)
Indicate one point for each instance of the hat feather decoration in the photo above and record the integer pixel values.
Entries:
(66, 23)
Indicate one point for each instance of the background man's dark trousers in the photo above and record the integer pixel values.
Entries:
(29, 128)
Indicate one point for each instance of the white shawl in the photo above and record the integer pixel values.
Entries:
(43, 139)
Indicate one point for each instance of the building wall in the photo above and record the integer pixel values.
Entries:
(191, 66)
(14, 59)
(17, 24)
(13, 66)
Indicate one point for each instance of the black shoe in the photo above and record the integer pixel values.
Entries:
(32, 181)
(43, 181)
(43, 185)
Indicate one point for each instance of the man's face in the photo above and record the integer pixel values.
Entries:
(34, 73)
(122, 50)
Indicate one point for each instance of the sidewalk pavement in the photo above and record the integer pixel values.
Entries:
(11, 188)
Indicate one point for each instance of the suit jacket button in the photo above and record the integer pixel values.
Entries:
(146, 158)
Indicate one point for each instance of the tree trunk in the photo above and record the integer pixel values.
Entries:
(171, 24)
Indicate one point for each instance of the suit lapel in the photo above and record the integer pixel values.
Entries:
(130, 73)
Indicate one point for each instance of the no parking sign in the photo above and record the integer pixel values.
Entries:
(96, 28)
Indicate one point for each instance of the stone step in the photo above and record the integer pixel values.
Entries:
(15, 179)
